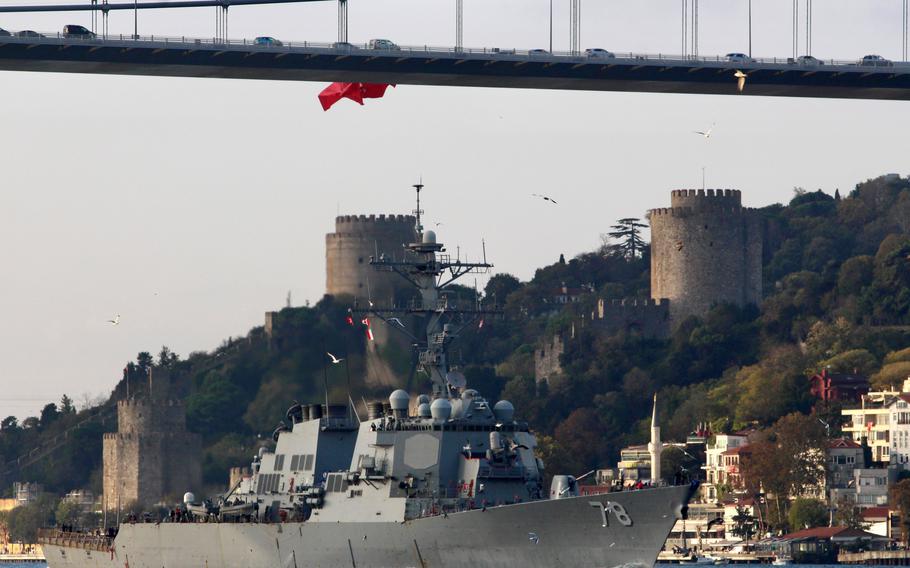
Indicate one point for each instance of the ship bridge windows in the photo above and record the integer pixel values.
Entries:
(268, 483)
(336, 483)
(302, 462)
(279, 462)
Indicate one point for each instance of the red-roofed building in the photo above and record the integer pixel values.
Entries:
(842, 387)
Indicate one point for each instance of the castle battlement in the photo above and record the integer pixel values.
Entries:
(142, 403)
(381, 218)
(635, 302)
(706, 198)
(685, 211)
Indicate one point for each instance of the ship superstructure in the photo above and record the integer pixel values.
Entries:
(447, 478)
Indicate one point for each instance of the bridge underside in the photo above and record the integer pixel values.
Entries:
(445, 68)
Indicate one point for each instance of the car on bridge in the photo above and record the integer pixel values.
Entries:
(71, 31)
(4, 33)
(344, 46)
(738, 58)
(598, 53)
(808, 61)
(28, 33)
(538, 52)
(875, 61)
(267, 41)
(386, 44)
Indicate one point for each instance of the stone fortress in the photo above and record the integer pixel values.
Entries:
(348, 251)
(706, 249)
(151, 457)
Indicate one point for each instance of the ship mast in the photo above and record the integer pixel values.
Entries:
(428, 268)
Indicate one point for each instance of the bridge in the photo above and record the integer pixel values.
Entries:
(220, 57)
(445, 66)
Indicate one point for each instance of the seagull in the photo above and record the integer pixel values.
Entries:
(706, 133)
(534, 538)
(115, 321)
(335, 360)
(438, 224)
(740, 80)
(545, 198)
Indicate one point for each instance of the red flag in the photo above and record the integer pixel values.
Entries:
(480, 325)
(354, 91)
(350, 320)
(366, 322)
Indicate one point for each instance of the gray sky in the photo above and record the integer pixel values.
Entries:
(217, 194)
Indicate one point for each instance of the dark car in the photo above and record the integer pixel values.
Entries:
(4, 33)
(77, 31)
(875, 61)
(28, 33)
(267, 40)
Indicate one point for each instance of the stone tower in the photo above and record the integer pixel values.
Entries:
(151, 458)
(348, 251)
(705, 249)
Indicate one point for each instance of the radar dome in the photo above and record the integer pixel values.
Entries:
(429, 238)
(188, 498)
(504, 411)
(424, 399)
(441, 410)
(423, 410)
(469, 393)
(399, 400)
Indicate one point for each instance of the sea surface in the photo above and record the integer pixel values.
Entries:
(43, 565)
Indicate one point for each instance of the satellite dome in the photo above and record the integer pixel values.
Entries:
(423, 399)
(441, 410)
(423, 410)
(504, 411)
(188, 498)
(429, 238)
(399, 400)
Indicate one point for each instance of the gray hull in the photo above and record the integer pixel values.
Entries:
(546, 534)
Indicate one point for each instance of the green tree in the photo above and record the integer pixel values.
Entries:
(24, 522)
(628, 232)
(68, 513)
(67, 406)
(744, 525)
(807, 514)
(499, 286)
(49, 414)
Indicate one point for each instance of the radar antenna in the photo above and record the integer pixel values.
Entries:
(429, 269)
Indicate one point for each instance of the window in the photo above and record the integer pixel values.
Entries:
(308, 462)
(295, 463)
(279, 462)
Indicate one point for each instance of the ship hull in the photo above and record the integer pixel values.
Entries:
(565, 533)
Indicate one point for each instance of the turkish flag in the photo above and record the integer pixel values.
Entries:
(354, 91)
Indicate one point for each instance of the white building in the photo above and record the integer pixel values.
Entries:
(715, 468)
(872, 421)
(899, 420)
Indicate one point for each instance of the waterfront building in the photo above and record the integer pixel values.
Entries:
(716, 470)
(872, 422)
(872, 486)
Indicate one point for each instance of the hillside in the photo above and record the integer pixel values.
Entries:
(837, 292)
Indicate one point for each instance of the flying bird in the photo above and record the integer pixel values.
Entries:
(533, 538)
(740, 80)
(545, 198)
(115, 321)
(335, 360)
(706, 134)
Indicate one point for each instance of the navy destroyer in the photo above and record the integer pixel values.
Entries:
(447, 479)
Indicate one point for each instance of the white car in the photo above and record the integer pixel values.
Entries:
(386, 44)
(538, 52)
(875, 61)
(739, 58)
(599, 53)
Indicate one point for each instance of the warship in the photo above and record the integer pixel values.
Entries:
(447, 479)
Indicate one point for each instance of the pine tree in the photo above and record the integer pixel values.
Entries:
(628, 232)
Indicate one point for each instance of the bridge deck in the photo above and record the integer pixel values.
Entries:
(186, 57)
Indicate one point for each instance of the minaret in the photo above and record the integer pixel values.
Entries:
(654, 446)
